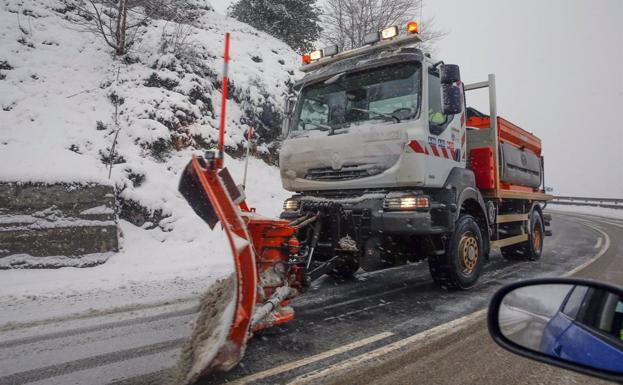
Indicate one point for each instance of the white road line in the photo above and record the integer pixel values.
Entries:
(612, 223)
(601, 251)
(426, 336)
(340, 316)
(598, 243)
(311, 359)
(350, 301)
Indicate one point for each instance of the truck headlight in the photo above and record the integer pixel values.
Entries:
(406, 203)
(290, 205)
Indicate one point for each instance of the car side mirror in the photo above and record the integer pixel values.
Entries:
(571, 323)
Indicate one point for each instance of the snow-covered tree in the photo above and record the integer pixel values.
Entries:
(296, 22)
(117, 21)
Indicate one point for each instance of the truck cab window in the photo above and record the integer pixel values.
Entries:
(437, 120)
(385, 94)
(313, 112)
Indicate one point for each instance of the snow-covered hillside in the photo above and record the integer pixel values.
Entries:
(64, 97)
(61, 87)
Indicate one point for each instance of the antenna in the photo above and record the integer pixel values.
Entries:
(224, 94)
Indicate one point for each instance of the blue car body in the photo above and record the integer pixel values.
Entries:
(565, 338)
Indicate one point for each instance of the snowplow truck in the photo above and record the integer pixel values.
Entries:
(381, 149)
(388, 166)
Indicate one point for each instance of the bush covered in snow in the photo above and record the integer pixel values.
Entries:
(297, 22)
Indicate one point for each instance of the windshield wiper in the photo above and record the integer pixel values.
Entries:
(391, 116)
(321, 127)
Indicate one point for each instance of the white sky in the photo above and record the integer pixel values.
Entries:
(559, 71)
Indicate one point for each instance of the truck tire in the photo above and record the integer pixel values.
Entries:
(533, 248)
(345, 270)
(460, 267)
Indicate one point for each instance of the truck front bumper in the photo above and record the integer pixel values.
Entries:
(369, 213)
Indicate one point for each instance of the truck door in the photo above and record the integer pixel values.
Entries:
(445, 133)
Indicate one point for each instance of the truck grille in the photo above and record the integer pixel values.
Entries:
(345, 173)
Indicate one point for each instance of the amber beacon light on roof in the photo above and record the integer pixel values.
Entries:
(385, 35)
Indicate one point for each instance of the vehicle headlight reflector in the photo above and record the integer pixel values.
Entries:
(389, 32)
(406, 203)
(315, 55)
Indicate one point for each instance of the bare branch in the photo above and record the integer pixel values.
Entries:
(348, 21)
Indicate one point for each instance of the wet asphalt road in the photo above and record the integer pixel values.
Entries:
(469, 356)
(139, 348)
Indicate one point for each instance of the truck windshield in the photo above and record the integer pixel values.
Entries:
(386, 93)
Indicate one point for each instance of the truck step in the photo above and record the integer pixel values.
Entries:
(507, 218)
(509, 241)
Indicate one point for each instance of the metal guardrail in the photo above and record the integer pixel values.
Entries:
(611, 203)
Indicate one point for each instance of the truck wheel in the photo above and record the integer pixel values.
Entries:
(461, 265)
(345, 270)
(533, 248)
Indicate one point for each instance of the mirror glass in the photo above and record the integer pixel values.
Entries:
(452, 99)
(578, 324)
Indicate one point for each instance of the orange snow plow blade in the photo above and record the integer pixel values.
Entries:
(256, 295)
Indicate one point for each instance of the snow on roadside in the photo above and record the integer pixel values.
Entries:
(56, 91)
(153, 265)
(598, 211)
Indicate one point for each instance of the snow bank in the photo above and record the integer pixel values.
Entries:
(179, 261)
(59, 90)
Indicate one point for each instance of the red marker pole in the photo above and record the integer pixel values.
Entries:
(224, 93)
(246, 162)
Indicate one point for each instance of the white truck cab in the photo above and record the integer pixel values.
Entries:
(372, 122)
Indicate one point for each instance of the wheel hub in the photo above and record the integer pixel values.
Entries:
(468, 253)
(537, 237)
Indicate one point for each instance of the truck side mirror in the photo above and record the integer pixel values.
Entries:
(285, 126)
(451, 90)
(450, 73)
(452, 98)
(288, 105)
(288, 108)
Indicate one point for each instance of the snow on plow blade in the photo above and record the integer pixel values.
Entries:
(222, 326)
